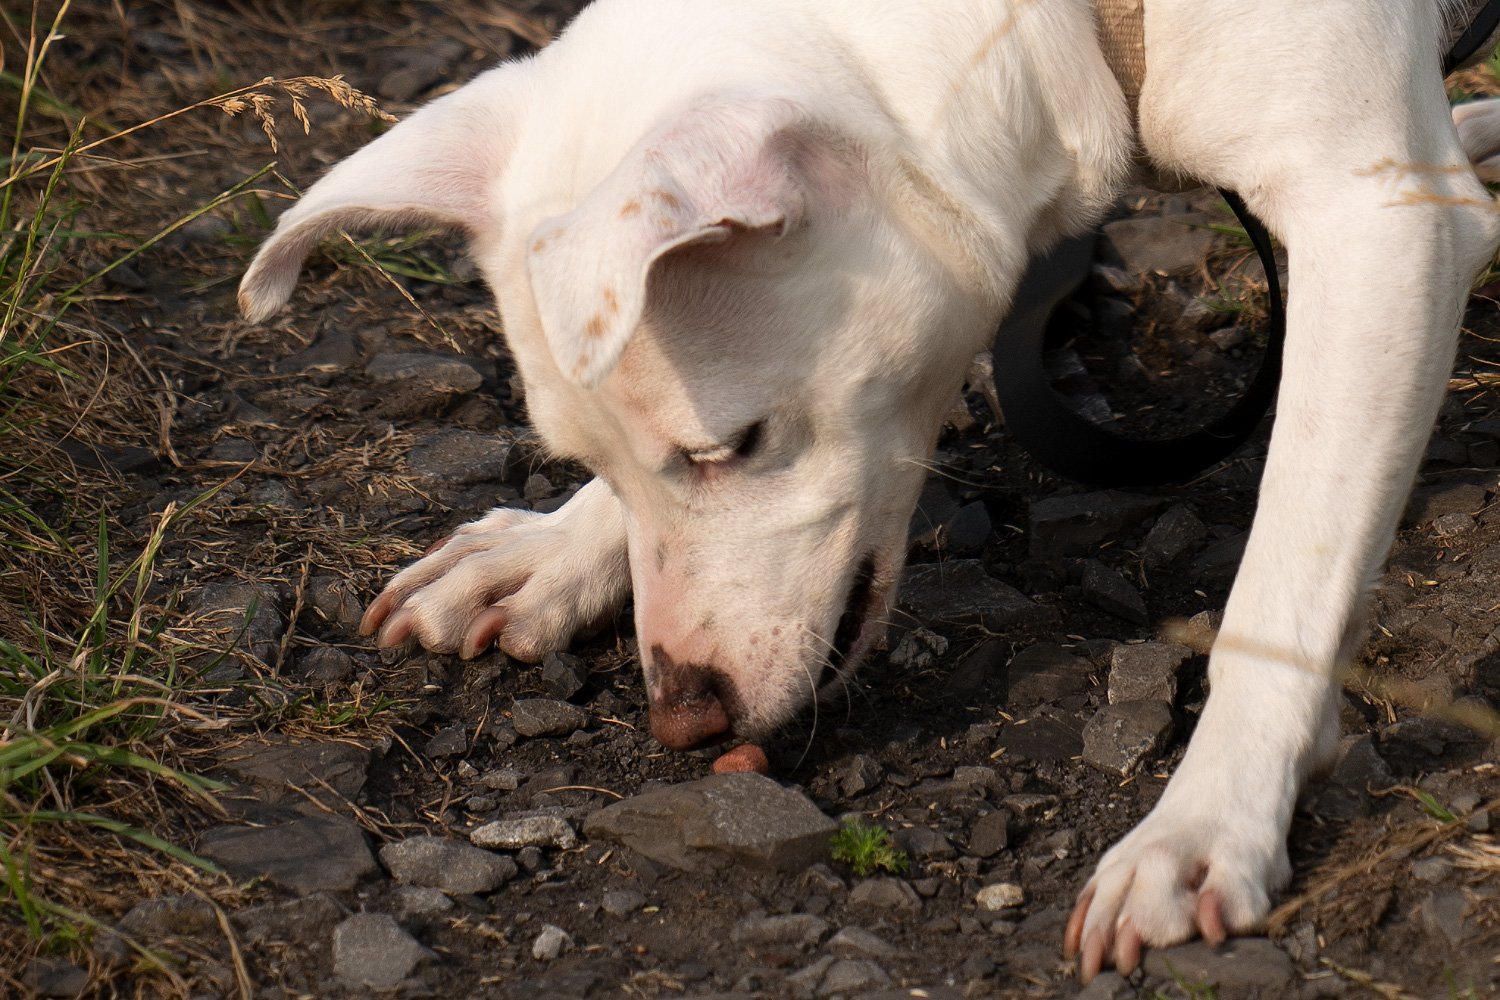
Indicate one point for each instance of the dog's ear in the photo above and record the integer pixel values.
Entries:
(714, 170)
(439, 166)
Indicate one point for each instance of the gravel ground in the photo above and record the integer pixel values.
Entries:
(512, 830)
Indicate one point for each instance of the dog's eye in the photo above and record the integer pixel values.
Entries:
(740, 445)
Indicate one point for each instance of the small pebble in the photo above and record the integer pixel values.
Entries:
(745, 757)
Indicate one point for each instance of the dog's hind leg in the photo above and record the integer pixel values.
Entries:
(528, 581)
(1331, 121)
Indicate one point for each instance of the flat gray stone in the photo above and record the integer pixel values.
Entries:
(334, 352)
(440, 372)
(922, 843)
(790, 928)
(334, 599)
(1162, 244)
(421, 900)
(446, 864)
(528, 831)
(1428, 503)
(223, 608)
(980, 777)
(960, 591)
(450, 741)
(563, 674)
(622, 902)
(1120, 737)
(858, 775)
(849, 975)
(886, 893)
(51, 976)
(1176, 532)
(1444, 916)
(551, 943)
(1146, 671)
(727, 819)
(1109, 591)
(311, 918)
(1107, 985)
(1238, 965)
(547, 717)
(460, 458)
(307, 855)
(990, 834)
(1044, 671)
(371, 949)
(1221, 560)
(271, 767)
(327, 663)
(856, 942)
(169, 916)
(1068, 526)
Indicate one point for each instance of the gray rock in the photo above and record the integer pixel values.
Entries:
(1029, 805)
(1428, 503)
(327, 663)
(446, 864)
(547, 717)
(725, 819)
(960, 591)
(371, 949)
(1045, 672)
(978, 777)
(856, 942)
(922, 843)
(849, 975)
(460, 458)
(1360, 766)
(859, 775)
(1444, 916)
(551, 943)
(1236, 967)
(790, 928)
(969, 529)
(563, 674)
(1068, 526)
(223, 608)
(1429, 870)
(1120, 737)
(307, 855)
(537, 487)
(1221, 559)
(421, 900)
(1456, 523)
(334, 352)
(918, 649)
(334, 599)
(233, 449)
(622, 902)
(439, 372)
(1107, 278)
(1228, 338)
(1176, 532)
(310, 918)
(804, 982)
(529, 831)
(990, 834)
(50, 976)
(886, 893)
(271, 767)
(1000, 896)
(1146, 671)
(1107, 985)
(1109, 591)
(1162, 244)
(169, 916)
(450, 741)
(503, 779)
(977, 668)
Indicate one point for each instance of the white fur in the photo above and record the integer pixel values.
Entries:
(700, 216)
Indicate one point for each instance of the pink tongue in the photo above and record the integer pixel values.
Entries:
(745, 757)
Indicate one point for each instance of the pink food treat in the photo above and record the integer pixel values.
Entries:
(745, 757)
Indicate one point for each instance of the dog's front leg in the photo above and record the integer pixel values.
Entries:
(1343, 144)
(529, 581)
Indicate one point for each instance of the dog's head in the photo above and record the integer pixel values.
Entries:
(747, 322)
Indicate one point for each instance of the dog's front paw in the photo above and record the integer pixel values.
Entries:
(529, 581)
(1178, 874)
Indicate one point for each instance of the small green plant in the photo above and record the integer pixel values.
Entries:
(1191, 991)
(867, 848)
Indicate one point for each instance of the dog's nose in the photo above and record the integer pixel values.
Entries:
(688, 703)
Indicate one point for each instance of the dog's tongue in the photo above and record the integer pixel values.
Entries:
(745, 757)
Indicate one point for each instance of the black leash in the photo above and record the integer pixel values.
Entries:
(1065, 441)
(1069, 443)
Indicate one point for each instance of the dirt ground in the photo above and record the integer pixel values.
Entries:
(331, 433)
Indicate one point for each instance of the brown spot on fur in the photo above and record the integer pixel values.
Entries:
(539, 245)
(611, 301)
(632, 207)
(667, 198)
(594, 328)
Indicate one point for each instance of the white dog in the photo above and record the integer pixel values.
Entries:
(744, 251)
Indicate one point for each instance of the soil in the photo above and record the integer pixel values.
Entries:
(319, 503)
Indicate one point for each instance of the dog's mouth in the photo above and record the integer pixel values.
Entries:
(860, 610)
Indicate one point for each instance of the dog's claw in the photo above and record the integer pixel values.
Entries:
(1094, 947)
(1073, 936)
(483, 630)
(1211, 917)
(396, 629)
(1127, 947)
(376, 613)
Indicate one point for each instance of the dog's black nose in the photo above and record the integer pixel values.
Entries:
(690, 703)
